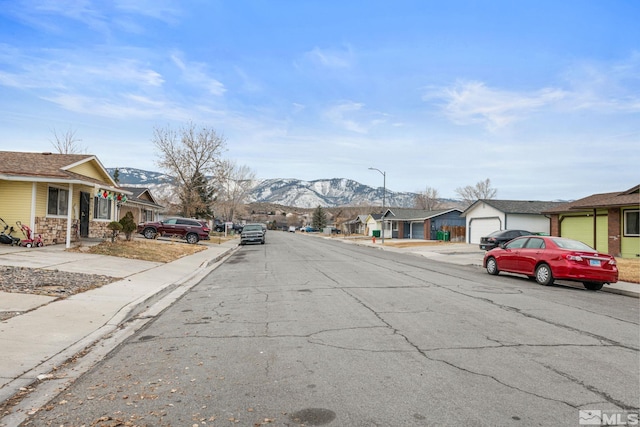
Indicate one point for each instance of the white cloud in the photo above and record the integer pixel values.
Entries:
(162, 10)
(606, 88)
(196, 74)
(353, 117)
(330, 58)
(600, 88)
(338, 114)
(469, 102)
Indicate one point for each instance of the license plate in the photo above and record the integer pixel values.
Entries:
(594, 262)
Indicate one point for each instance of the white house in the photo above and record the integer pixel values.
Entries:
(488, 215)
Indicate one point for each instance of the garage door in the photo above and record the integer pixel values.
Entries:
(417, 230)
(578, 228)
(480, 227)
(581, 228)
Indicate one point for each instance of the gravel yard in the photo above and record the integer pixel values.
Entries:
(52, 283)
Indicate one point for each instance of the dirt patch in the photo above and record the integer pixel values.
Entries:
(145, 250)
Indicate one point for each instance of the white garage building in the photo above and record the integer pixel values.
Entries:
(488, 215)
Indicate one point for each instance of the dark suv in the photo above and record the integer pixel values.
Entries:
(494, 239)
(189, 229)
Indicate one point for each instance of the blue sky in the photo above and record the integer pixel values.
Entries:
(542, 97)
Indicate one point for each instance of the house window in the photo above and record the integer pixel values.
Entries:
(58, 201)
(102, 208)
(632, 223)
(147, 216)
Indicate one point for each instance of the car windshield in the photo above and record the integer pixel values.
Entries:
(496, 233)
(252, 228)
(572, 244)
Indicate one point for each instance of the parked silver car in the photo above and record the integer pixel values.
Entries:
(253, 233)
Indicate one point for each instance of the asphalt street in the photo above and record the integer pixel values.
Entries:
(306, 331)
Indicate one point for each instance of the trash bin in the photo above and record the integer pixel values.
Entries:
(439, 235)
(446, 235)
(376, 233)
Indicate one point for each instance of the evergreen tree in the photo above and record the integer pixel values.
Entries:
(205, 195)
(319, 220)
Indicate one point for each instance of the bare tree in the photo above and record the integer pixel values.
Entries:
(482, 190)
(187, 156)
(429, 199)
(234, 184)
(67, 143)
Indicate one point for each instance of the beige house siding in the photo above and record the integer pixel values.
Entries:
(19, 193)
(91, 170)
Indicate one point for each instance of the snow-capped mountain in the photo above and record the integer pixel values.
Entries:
(287, 192)
(325, 193)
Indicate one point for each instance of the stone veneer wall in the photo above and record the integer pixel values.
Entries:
(54, 230)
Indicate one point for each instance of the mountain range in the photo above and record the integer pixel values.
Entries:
(287, 192)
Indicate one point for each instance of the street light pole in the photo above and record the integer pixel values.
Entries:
(384, 195)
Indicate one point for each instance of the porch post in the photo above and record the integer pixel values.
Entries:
(32, 215)
(69, 213)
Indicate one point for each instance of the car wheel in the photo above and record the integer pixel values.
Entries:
(192, 238)
(262, 243)
(492, 266)
(593, 286)
(149, 233)
(544, 276)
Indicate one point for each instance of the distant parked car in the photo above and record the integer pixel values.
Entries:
(494, 239)
(253, 233)
(189, 229)
(292, 229)
(545, 259)
(308, 229)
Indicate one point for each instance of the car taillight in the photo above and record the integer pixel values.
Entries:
(612, 261)
(576, 258)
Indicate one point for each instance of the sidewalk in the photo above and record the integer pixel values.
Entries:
(36, 342)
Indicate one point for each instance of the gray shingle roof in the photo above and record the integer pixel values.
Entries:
(407, 214)
(518, 206)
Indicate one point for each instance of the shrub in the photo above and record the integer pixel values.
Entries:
(115, 228)
(128, 225)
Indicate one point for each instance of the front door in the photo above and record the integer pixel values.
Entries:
(84, 214)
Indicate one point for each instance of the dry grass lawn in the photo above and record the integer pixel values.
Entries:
(629, 269)
(146, 250)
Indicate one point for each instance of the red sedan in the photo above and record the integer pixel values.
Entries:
(548, 258)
